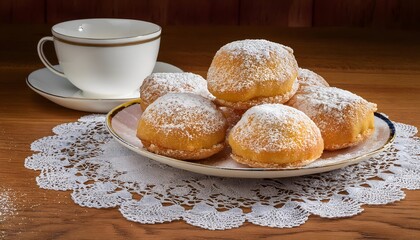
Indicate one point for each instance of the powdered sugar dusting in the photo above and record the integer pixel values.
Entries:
(241, 65)
(7, 207)
(259, 48)
(330, 101)
(275, 127)
(307, 77)
(159, 84)
(185, 113)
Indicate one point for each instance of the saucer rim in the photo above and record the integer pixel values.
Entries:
(35, 89)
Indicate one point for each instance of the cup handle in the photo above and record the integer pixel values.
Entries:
(44, 60)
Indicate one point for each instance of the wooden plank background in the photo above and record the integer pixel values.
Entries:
(286, 13)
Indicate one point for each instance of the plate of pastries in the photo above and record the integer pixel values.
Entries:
(257, 115)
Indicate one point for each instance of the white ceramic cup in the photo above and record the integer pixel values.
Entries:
(105, 58)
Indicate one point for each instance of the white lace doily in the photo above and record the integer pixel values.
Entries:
(83, 157)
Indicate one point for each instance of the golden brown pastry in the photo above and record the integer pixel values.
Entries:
(159, 84)
(344, 118)
(274, 136)
(307, 77)
(182, 126)
(232, 115)
(252, 72)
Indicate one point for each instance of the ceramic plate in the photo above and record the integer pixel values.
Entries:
(122, 124)
(62, 92)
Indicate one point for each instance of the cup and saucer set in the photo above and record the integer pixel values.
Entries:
(102, 63)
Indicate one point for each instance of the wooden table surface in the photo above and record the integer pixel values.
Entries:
(383, 66)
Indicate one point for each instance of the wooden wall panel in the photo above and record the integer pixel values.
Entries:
(22, 11)
(63, 10)
(343, 12)
(6, 11)
(367, 13)
(147, 10)
(290, 13)
(32, 11)
(180, 12)
(397, 14)
(300, 13)
(163, 12)
(191, 12)
(273, 12)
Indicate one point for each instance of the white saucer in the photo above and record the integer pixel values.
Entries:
(62, 92)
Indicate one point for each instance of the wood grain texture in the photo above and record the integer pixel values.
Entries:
(397, 14)
(381, 65)
(6, 11)
(300, 13)
(343, 12)
(148, 10)
(59, 11)
(367, 13)
(203, 12)
(163, 12)
(22, 11)
(293, 13)
(28, 11)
